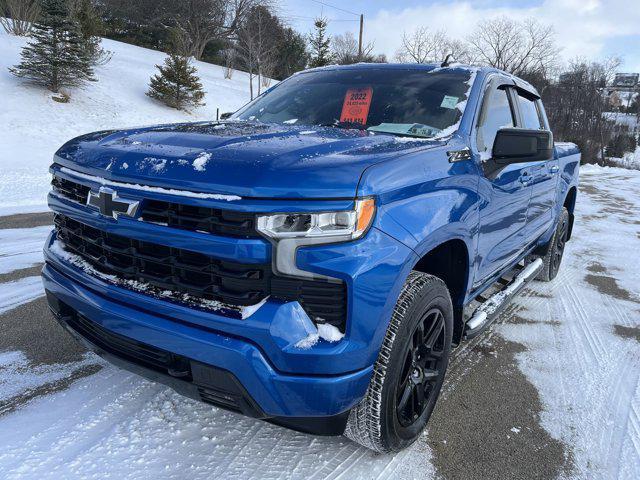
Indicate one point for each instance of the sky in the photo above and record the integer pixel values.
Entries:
(591, 29)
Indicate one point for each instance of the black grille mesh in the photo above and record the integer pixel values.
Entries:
(202, 219)
(71, 190)
(201, 276)
(165, 267)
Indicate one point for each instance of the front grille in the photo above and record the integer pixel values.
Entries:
(127, 348)
(71, 190)
(176, 215)
(198, 275)
(164, 267)
(201, 219)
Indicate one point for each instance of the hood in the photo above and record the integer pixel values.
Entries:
(237, 158)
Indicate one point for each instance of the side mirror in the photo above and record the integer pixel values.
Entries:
(519, 145)
(225, 115)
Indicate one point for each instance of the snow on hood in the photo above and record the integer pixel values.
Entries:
(245, 159)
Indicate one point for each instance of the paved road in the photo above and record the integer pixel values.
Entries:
(499, 416)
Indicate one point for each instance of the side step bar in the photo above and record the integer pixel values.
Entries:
(488, 311)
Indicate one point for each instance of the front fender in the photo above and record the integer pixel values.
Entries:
(425, 201)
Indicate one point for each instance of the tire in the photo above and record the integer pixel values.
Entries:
(553, 258)
(410, 367)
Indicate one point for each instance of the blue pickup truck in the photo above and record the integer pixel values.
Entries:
(313, 259)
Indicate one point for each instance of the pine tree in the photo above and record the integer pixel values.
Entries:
(91, 27)
(177, 85)
(320, 44)
(56, 56)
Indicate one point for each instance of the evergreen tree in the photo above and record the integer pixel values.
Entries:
(292, 53)
(91, 28)
(177, 84)
(320, 44)
(56, 56)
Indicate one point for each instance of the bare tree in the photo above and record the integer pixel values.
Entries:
(576, 106)
(517, 47)
(266, 71)
(345, 49)
(229, 61)
(422, 46)
(17, 16)
(426, 46)
(196, 22)
(201, 21)
(255, 46)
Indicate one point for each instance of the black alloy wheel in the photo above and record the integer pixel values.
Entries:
(423, 367)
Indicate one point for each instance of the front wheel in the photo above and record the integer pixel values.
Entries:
(410, 369)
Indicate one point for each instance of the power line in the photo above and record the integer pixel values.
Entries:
(300, 17)
(359, 15)
(337, 8)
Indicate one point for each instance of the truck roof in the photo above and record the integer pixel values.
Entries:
(482, 71)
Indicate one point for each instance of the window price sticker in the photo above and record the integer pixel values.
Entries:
(449, 102)
(355, 108)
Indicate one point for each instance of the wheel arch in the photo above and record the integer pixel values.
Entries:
(450, 262)
(570, 205)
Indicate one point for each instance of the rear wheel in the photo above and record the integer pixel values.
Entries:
(410, 369)
(555, 251)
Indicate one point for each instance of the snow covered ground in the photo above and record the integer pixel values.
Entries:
(583, 331)
(581, 351)
(21, 248)
(34, 126)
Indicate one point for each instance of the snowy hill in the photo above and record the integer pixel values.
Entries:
(33, 125)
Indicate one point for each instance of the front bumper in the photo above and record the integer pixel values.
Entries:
(188, 377)
(274, 394)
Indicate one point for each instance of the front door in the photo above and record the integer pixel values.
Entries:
(505, 191)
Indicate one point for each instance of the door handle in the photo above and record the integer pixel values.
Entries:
(525, 178)
(554, 169)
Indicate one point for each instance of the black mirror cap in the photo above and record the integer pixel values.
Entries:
(225, 115)
(519, 145)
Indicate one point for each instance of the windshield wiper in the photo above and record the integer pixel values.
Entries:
(414, 130)
(346, 125)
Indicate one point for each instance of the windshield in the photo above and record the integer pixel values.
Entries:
(406, 102)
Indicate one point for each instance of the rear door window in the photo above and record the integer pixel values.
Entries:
(529, 113)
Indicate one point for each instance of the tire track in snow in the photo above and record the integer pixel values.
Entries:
(586, 344)
(622, 381)
(622, 401)
(92, 420)
(634, 421)
(115, 422)
(585, 323)
(621, 314)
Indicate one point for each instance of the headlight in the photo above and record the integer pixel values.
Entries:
(349, 224)
(289, 231)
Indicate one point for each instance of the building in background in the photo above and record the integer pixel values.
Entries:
(623, 90)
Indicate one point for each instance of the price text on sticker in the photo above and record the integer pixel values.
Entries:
(355, 108)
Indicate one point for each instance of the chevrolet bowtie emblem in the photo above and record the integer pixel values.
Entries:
(110, 205)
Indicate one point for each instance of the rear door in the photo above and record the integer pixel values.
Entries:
(543, 174)
(504, 190)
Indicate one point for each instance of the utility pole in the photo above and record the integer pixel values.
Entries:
(360, 37)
